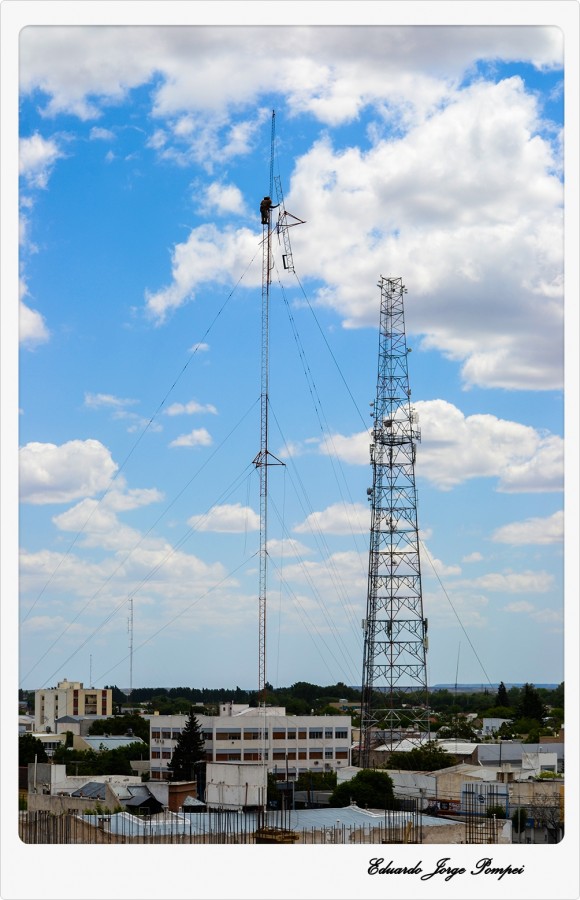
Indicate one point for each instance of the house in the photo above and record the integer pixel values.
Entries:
(492, 725)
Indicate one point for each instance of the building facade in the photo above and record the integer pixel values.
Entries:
(290, 745)
(70, 698)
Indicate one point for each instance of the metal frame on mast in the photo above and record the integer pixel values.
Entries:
(395, 631)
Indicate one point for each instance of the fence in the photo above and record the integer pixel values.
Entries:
(216, 827)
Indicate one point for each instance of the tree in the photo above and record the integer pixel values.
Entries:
(189, 751)
(502, 695)
(28, 748)
(530, 705)
(427, 758)
(124, 724)
(369, 788)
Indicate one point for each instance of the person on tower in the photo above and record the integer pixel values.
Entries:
(265, 207)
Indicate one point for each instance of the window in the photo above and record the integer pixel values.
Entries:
(291, 754)
(166, 754)
(278, 754)
(316, 754)
(315, 734)
(278, 735)
(328, 734)
(254, 734)
(228, 757)
(250, 755)
(233, 735)
(155, 735)
(302, 735)
(328, 754)
(207, 735)
(342, 754)
(341, 733)
(291, 734)
(302, 754)
(166, 735)
(155, 754)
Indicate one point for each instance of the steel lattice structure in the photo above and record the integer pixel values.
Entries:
(395, 630)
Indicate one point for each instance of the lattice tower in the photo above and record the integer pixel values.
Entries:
(394, 702)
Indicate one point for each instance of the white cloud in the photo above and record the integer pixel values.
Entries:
(199, 437)
(473, 557)
(207, 255)
(32, 328)
(37, 157)
(467, 206)
(441, 568)
(515, 582)
(223, 198)
(190, 408)
(99, 401)
(319, 68)
(132, 499)
(339, 518)
(101, 134)
(455, 448)
(549, 530)
(287, 548)
(551, 618)
(200, 347)
(59, 474)
(231, 518)
(459, 190)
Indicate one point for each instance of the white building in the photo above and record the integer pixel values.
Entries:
(240, 734)
(70, 698)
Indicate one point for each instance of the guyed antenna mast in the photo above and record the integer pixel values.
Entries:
(264, 458)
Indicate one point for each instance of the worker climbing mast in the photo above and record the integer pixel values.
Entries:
(394, 693)
(264, 458)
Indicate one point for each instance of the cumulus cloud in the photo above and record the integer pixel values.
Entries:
(515, 582)
(479, 244)
(455, 448)
(32, 328)
(207, 255)
(190, 408)
(51, 473)
(459, 189)
(99, 401)
(37, 157)
(231, 518)
(101, 134)
(339, 518)
(549, 530)
(552, 618)
(199, 437)
(223, 198)
(474, 557)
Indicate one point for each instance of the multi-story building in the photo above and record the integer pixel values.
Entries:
(290, 745)
(70, 698)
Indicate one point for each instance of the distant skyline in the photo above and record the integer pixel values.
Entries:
(430, 153)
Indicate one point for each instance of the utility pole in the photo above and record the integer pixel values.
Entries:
(395, 631)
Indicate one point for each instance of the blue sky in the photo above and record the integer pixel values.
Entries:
(434, 154)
